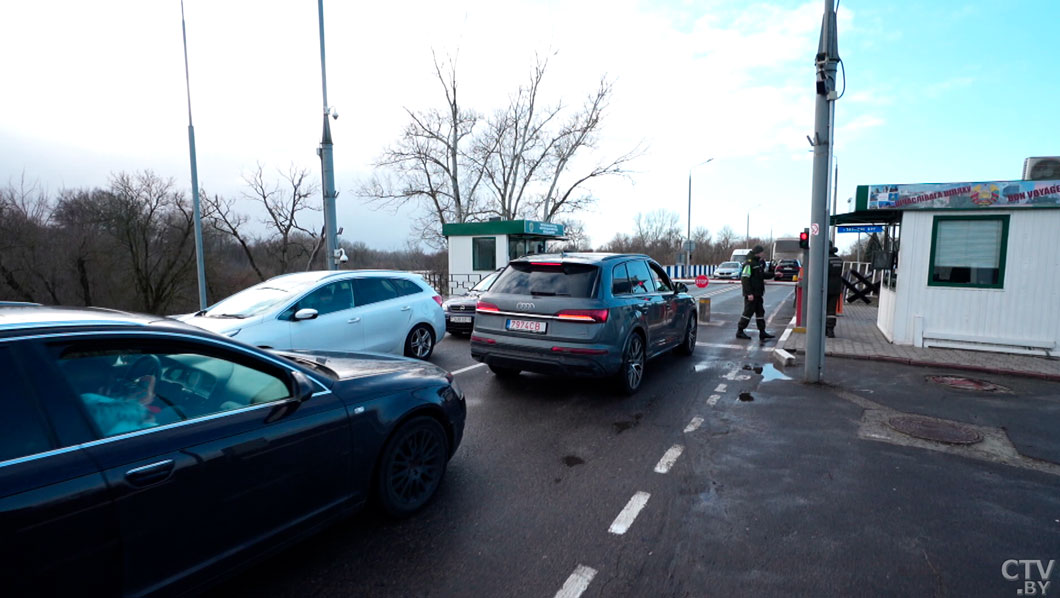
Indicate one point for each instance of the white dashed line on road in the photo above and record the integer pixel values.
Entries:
(629, 513)
(694, 424)
(721, 388)
(713, 400)
(577, 582)
(719, 346)
(669, 459)
(467, 369)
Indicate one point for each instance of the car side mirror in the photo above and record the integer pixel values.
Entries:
(680, 287)
(306, 313)
(303, 386)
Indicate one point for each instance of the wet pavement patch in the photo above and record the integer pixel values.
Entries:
(770, 372)
(962, 383)
(935, 430)
(572, 460)
(746, 396)
(625, 425)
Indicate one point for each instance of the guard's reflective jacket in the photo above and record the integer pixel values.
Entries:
(753, 276)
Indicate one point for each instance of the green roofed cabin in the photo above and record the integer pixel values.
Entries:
(478, 248)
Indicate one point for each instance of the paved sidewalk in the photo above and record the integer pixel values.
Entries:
(858, 337)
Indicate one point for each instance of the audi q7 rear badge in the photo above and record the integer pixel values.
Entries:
(524, 305)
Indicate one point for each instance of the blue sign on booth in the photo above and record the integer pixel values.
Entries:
(861, 229)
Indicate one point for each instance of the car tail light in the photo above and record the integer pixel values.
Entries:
(482, 339)
(583, 315)
(579, 351)
(438, 300)
(483, 306)
(553, 264)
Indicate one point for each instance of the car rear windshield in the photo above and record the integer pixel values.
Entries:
(548, 279)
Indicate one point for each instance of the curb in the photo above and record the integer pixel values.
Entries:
(782, 357)
(941, 365)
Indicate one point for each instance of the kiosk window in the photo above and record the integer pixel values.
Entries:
(969, 251)
(484, 253)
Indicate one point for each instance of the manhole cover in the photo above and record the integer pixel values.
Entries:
(935, 430)
(962, 383)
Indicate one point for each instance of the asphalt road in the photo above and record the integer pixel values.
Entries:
(563, 488)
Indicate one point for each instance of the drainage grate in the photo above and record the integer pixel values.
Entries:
(962, 383)
(935, 430)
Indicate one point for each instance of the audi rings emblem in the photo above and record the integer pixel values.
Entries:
(524, 305)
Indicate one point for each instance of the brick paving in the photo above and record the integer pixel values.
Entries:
(858, 337)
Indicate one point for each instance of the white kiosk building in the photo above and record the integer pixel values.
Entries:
(478, 248)
(977, 264)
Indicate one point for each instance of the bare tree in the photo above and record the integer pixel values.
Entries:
(430, 163)
(227, 221)
(284, 202)
(520, 164)
(153, 225)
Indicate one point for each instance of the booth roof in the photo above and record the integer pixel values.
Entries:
(867, 217)
(503, 227)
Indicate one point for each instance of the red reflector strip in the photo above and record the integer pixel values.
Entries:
(480, 339)
(579, 351)
(576, 317)
(557, 264)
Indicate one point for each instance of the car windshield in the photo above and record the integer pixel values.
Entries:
(255, 300)
(485, 284)
(548, 279)
(730, 265)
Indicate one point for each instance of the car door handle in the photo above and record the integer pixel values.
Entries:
(353, 320)
(406, 308)
(150, 474)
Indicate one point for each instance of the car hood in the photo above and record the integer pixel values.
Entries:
(350, 366)
(470, 298)
(218, 325)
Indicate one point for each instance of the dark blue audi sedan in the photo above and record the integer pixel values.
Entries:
(140, 455)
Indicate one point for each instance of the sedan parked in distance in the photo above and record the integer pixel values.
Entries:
(728, 270)
(355, 310)
(143, 456)
(583, 313)
(787, 270)
(460, 310)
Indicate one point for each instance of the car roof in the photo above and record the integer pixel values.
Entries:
(579, 257)
(299, 278)
(19, 319)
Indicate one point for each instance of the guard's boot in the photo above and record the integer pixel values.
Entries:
(762, 334)
(741, 334)
(829, 332)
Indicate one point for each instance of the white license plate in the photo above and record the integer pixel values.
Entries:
(527, 326)
(461, 319)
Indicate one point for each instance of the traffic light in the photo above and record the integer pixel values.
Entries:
(804, 239)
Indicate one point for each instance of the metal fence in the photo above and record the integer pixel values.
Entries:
(686, 272)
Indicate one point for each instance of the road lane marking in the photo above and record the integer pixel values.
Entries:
(713, 400)
(669, 458)
(719, 346)
(694, 424)
(721, 388)
(629, 513)
(468, 368)
(577, 582)
(731, 375)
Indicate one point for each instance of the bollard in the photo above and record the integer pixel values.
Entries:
(704, 309)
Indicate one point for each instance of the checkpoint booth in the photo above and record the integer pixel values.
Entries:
(476, 249)
(968, 265)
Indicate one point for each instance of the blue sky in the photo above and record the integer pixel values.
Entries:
(936, 92)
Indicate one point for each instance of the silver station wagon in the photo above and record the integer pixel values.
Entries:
(594, 314)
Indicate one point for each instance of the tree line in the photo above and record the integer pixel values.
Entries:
(130, 245)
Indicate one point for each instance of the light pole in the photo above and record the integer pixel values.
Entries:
(688, 239)
(327, 160)
(200, 265)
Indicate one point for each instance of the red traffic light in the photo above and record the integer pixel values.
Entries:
(804, 239)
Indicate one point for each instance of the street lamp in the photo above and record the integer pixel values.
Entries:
(688, 239)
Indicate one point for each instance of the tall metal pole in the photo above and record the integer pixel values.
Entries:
(327, 163)
(200, 265)
(827, 60)
(835, 192)
(688, 251)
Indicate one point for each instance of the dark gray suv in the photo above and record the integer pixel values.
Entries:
(595, 314)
